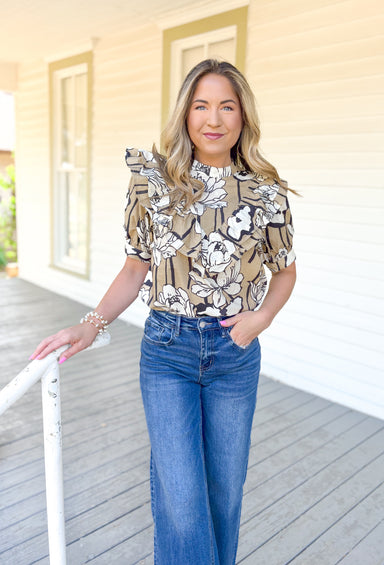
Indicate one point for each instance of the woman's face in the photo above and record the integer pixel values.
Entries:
(214, 120)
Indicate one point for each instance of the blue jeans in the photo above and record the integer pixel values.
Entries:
(199, 394)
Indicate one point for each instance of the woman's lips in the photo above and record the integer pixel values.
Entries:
(213, 136)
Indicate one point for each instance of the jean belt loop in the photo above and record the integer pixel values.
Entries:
(177, 325)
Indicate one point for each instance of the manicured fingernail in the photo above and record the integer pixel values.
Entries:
(222, 322)
(31, 358)
(62, 360)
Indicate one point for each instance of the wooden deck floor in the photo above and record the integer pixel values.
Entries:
(314, 492)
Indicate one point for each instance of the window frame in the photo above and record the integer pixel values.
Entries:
(59, 69)
(237, 17)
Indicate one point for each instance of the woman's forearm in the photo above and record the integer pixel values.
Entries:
(280, 289)
(118, 297)
(123, 290)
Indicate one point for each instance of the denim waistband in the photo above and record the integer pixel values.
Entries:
(178, 321)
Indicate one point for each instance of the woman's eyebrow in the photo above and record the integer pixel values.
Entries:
(206, 101)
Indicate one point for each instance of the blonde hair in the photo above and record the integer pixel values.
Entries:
(175, 162)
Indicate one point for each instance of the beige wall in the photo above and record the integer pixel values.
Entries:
(317, 71)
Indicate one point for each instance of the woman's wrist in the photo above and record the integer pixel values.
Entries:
(266, 316)
(97, 320)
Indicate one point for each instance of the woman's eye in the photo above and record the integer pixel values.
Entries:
(227, 108)
(200, 108)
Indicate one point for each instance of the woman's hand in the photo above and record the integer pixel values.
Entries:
(246, 326)
(122, 292)
(79, 337)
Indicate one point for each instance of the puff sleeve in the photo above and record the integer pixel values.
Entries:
(278, 243)
(137, 225)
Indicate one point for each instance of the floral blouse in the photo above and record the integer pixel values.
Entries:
(207, 260)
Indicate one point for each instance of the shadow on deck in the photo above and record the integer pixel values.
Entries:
(314, 492)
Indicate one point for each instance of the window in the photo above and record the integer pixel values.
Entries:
(222, 37)
(187, 52)
(70, 140)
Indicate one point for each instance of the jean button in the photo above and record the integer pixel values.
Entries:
(203, 324)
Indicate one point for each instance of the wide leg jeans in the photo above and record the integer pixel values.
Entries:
(199, 393)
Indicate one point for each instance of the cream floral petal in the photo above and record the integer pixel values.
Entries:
(175, 299)
(234, 307)
(240, 223)
(221, 289)
(216, 252)
(212, 197)
(165, 247)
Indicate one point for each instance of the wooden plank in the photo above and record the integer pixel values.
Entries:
(318, 515)
(369, 550)
(326, 494)
(356, 524)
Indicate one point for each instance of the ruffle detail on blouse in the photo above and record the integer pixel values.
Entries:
(138, 158)
(259, 202)
(143, 164)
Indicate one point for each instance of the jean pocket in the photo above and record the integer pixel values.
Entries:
(232, 342)
(227, 334)
(157, 333)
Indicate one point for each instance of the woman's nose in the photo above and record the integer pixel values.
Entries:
(214, 118)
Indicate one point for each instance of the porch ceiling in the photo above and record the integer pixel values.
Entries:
(39, 28)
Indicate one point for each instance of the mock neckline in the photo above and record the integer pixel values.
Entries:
(216, 172)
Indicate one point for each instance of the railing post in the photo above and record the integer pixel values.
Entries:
(50, 384)
(47, 370)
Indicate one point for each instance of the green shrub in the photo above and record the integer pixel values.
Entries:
(8, 243)
(3, 260)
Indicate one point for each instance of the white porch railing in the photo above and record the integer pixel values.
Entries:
(47, 370)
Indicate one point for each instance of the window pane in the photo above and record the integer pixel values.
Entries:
(71, 166)
(61, 215)
(66, 121)
(76, 242)
(190, 58)
(223, 50)
(80, 149)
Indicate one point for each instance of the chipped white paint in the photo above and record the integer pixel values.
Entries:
(48, 371)
(53, 458)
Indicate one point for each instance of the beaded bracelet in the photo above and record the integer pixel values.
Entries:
(99, 323)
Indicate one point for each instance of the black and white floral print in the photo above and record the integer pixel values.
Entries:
(212, 197)
(175, 300)
(240, 222)
(144, 231)
(216, 252)
(221, 289)
(145, 290)
(165, 241)
(208, 259)
(246, 175)
(158, 191)
(257, 290)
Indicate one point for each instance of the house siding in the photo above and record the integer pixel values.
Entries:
(127, 113)
(317, 71)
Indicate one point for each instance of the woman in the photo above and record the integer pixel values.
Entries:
(202, 219)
